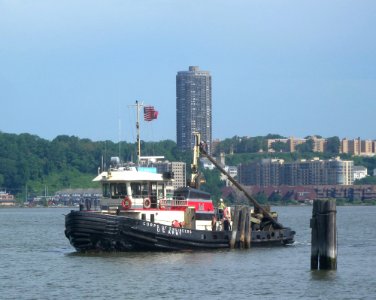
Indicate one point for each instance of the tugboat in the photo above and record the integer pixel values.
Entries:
(136, 213)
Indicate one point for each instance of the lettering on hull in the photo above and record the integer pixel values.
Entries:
(164, 229)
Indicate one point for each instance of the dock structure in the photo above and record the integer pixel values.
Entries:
(324, 235)
(241, 228)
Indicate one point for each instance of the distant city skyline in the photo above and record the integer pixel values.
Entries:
(294, 68)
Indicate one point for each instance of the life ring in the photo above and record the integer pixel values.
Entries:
(126, 203)
(147, 203)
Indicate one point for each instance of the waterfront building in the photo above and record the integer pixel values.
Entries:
(265, 172)
(74, 197)
(193, 108)
(7, 199)
(359, 172)
(248, 173)
(306, 194)
(338, 172)
(275, 172)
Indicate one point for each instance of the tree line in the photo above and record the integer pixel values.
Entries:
(33, 163)
(30, 162)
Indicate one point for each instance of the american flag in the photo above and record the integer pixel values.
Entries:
(150, 113)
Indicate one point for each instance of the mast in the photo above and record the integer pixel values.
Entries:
(195, 175)
(138, 132)
(138, 107)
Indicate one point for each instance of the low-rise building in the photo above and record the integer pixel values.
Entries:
(74, 197)
(207, 164)
(7, 199)
(359, 172)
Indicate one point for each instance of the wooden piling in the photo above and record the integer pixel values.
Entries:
(235, 224)
(241, 227)
(314, 238)
(324, 235)
(190, 218)
(243, 214)
(248, 229)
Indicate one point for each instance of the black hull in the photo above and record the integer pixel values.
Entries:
(95, 231)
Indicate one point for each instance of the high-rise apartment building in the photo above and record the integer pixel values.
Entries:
(193, 107)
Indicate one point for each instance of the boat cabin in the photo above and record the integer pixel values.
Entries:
(142, 194)
(131, 188)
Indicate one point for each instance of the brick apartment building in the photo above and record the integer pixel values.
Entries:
(348, 146)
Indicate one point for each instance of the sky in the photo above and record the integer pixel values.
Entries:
(288, 67)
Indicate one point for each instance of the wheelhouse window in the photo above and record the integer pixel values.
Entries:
(189, 194)
(114, 190)
(106, 190)
(136, 189)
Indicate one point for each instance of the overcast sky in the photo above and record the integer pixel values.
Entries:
(291, 67)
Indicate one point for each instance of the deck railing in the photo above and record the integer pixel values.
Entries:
(173, 202)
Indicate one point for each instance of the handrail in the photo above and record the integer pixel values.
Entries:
(173, 203)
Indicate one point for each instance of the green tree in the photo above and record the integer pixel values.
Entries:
(261, 198)
(213, 184)
(333, 145)
(274, 136)
(280, 146)
(366, 180)
(275, 197)
(305, 147)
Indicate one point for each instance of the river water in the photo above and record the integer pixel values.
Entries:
(37, 262)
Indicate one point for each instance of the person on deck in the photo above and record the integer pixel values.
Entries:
(224, 215)
(226, 219)
(221, 208)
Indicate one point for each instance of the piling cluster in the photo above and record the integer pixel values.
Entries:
(241, 228)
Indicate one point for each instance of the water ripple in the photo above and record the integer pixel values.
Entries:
(37, 262)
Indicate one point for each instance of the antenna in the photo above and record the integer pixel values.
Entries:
(119, 137)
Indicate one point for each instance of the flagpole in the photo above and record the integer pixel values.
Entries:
(138, 107)
(138, 132)
(149, 114)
